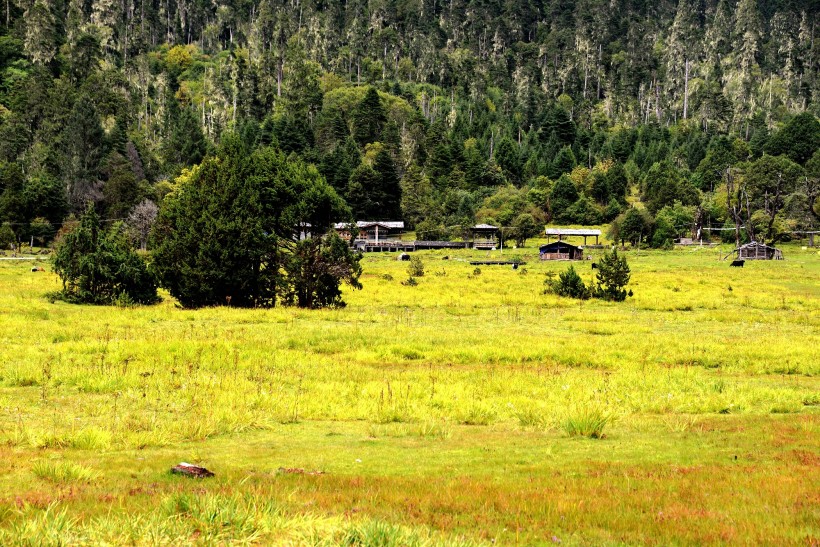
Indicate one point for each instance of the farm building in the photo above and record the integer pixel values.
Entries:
(372, 230)
(485, 236)
(758, 251)
(561, 250)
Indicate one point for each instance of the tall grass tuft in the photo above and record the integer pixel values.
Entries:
(62, 472)
(588, 423)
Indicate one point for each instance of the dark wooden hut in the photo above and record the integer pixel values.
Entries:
(561, 250)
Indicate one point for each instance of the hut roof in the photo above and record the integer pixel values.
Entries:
(390, 224)
(557, 245)
(479, 227)
(571, 232)
(756, 244)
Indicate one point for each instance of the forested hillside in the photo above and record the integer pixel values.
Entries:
(439, 113)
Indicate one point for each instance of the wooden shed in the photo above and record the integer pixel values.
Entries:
(561, 250)
(758, 251)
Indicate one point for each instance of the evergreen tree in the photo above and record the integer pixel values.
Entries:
(97, 266)
(563, 195)
(389, 186)
(612, 276)
(798, 139)
(369, 118)
(253, 208)
(564, 162)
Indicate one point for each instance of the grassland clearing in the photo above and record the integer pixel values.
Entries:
(437, 411)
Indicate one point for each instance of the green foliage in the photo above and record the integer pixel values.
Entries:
(41, 229)
(97, 266)
(416, 267)
(568, 284)
(523, 228)
(369, 118)
(634, 226)
(672, 222)
(612, 277)
(799, 139)
(563, 195)
(316, 270)
(7, 236)
(768, 181)
(252, 208)
(586, 423)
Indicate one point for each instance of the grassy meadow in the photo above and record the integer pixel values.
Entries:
(469, 409)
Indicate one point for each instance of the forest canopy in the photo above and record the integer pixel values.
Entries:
(441, 114)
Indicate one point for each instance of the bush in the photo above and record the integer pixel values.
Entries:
(568, 284)
(99, 267)
(317, 268)
(7, 237)
(416, 267)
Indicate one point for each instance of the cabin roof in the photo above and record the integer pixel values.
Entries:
(571, 232)
(484, 227)
(556, 244)
(757, 244)
(361, 224)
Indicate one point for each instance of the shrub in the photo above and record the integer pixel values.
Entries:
(416, 267)
(568, 284)
(7, 237)
(98, 266)
(316, 270)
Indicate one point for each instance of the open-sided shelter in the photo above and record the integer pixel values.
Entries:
(485, 236)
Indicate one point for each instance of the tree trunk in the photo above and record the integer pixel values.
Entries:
(686, 91)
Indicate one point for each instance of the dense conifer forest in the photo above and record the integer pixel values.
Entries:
(441, 114)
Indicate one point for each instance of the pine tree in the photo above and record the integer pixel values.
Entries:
(369, 118)
(390, 188)
(41, 32)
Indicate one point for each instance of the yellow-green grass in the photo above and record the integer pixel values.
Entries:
(439, 413)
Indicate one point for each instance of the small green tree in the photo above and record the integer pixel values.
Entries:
(613, 275)
(569, 284)
(316, 270)
(635, 226)
(41, 229)
(524, 227)
(416, 267)
(7, 237)
(97, 266)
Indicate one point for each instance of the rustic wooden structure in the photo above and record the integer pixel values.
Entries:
(563, 233)
(757, 251)
(485, 236)
(371, 230)
(561, 250)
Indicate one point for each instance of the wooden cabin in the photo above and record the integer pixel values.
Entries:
(758, 251)
(368, 231)
(561, 250)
